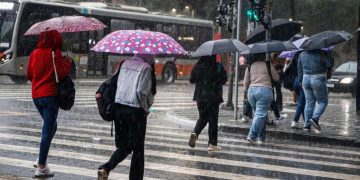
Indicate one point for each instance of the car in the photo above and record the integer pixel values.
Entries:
(344, 78)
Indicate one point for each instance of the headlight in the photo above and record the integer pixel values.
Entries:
(347, 80)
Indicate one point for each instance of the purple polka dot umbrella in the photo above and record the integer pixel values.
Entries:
(139, 42)
(66, 24)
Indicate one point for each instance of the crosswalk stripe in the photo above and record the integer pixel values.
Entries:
(196, 158)
(227, 140)
(148, 165)
(285, 158)
(62, 169)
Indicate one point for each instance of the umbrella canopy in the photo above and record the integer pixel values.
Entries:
(219, 46)
(326, 39)
(298, 43)
(270, 46)
(358, 30)
(281, 30)
(66, 24)
(139, 42)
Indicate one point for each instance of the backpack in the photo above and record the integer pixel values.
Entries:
(66, 93)
(108, 90)
(290, 75)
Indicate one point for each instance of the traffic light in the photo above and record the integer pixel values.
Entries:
(223, 10)
(256, 12)
(251, 14)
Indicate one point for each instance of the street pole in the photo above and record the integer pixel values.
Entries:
(237, 60)
(358, 72)
(229, 104)
(268, 28)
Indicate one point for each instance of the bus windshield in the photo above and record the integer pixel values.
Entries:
(7, 22)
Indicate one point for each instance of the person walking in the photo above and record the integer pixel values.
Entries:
(313, 68)
(41, 73)
(208, 76)
(258, 85)
(136, 88)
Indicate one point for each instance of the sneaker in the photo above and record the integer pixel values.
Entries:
(307, 129)
(45, 172)
(315, 124)
(251, 141)
(103, 174)
(192, 140)
(214, 148)
(245, 119)
(35, 164)
(260, 142)
(295, 125)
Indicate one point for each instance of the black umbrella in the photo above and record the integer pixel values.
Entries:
(358, 30)
(220, 46)
(270, 46)
(281, 30)
(326, 39)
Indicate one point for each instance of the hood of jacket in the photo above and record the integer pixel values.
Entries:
(50, 39)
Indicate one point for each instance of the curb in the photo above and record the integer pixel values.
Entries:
(291, 135)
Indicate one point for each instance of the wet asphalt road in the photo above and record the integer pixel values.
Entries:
(83, 142)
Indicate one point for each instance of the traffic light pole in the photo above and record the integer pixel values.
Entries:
(229, 104)
(237, 59)
(358, 73)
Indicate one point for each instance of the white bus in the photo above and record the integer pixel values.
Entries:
(17, 16)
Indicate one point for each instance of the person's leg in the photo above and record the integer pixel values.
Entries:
(122, 138)
(50, 110)
(246, 109)
(321, 96)
(203, 117)
(310, 100)
(213, 123)
(279, 100)
(262, 107)
(138, 125)
(302, 102)
(252, 101)
(275, 109)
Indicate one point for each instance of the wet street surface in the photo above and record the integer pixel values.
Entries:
(83, 142)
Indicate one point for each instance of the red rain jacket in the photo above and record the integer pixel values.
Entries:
(40, 69)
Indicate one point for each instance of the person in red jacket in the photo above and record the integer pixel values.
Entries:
(42, 76)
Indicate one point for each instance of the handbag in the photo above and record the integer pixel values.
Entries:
(65, 90)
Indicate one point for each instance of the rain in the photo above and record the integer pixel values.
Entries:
(179, 89)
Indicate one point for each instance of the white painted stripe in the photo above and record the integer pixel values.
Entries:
(196, 159)
(148, 165)
(228, 140)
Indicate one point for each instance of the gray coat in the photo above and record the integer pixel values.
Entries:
(134, 85)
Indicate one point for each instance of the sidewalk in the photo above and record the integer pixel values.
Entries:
(340, 124)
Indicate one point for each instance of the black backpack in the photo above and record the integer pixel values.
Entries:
(290, 75)
(107, 90)
(66, 93)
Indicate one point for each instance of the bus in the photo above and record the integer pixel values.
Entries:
(17, 16)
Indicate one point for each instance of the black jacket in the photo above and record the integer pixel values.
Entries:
(209, 80)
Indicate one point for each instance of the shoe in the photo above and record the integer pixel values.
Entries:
(103, 174)
(295, 125)
(307, 129)
(251, 141)
(214, 148)
(245, 119)
(192, 140)
(35, 164)
(45, 172)
(315, 124)
(260, 142)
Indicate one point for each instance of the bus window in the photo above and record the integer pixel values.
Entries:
(7, 21)
(205, 34)
(188, 37)
(117, 24)
(144, 25)
(171, 30)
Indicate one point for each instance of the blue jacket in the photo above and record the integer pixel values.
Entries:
(313, 62)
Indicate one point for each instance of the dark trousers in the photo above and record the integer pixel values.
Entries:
(48, 109)
(208, 113)
(274, 108)
(247, 111)
(278, 93)
(130, 129)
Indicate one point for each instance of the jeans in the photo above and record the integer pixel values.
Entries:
(260, 99)
(48, 108)
(208, 113)
(130, 129)
(315, 90)
(301, 101)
